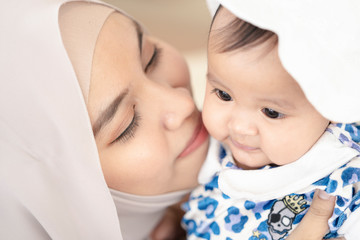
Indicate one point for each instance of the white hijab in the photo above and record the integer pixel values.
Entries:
(50, 177)
(51, 183)
(318, 45)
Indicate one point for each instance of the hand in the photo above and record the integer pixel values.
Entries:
(169, 227)
(315, 223)
(312, 227)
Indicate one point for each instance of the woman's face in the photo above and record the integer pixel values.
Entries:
(149, 134)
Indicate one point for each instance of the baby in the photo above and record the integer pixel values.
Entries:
(276, 149)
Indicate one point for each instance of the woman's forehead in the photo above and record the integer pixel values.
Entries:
(121, 30)
(124, 21)
(119, 45)
(116, 61)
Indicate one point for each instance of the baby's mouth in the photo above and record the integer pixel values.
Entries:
(244, 147)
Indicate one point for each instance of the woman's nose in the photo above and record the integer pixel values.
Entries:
(242, 124)
(178, 105)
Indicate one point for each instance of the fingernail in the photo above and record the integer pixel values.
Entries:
(324, 195)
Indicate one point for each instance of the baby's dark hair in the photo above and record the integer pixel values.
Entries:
(240, 34)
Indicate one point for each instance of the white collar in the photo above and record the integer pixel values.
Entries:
(138, 215)
(325, 156)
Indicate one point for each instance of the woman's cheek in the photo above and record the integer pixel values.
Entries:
(178, 76)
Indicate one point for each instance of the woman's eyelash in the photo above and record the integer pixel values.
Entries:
(154, 58)
(129, 132)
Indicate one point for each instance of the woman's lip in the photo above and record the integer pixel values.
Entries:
(243, 147)
(198, 138)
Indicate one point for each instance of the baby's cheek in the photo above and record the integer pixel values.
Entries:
(214, 120)
(274, 149)
(210, 122)
(283, 153)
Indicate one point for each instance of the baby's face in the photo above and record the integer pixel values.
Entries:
(255, 107)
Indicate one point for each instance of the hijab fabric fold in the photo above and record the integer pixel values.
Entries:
(51, 183)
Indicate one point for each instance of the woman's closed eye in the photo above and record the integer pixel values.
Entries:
(130, 130)
(154, 59)
(224, 96)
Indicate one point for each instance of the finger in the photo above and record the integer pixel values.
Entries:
(169, 227)
(314, 225)
(164, 230)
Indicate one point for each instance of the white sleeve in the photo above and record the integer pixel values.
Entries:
(351, 227)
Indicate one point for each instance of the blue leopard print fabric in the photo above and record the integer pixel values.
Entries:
(211, 214)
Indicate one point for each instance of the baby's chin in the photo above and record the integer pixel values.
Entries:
(249, 166)
(248, 162)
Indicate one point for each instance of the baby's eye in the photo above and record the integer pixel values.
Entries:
(272, 113)
(222, 95)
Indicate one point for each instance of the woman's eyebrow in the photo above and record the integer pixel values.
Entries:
(108, 114)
